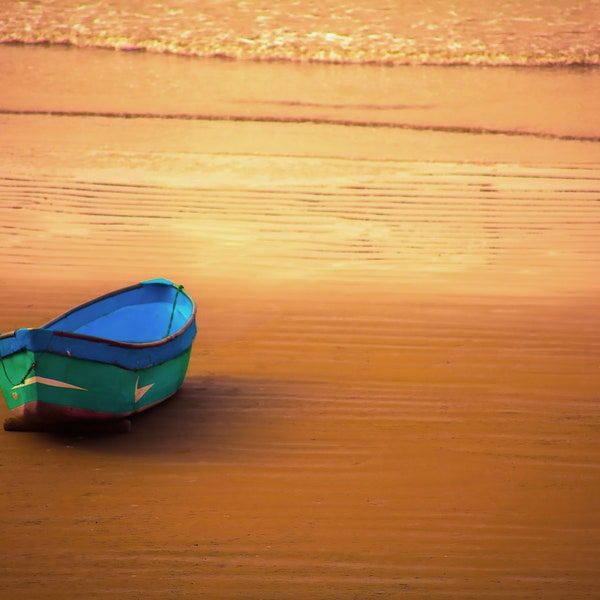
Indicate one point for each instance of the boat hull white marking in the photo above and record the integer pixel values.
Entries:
(140, 391)
(48, 381)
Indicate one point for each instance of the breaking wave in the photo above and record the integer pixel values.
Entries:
(517, 32)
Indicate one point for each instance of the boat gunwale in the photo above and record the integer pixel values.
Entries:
(111, 341)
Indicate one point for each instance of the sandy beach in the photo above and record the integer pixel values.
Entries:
(395, 389)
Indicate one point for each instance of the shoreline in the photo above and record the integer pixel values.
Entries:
(453, 129)
(447, 98)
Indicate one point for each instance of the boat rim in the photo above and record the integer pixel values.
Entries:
(110, 341)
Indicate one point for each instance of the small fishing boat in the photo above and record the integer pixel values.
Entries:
(102, 361)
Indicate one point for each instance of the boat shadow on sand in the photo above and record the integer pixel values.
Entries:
(206, 417)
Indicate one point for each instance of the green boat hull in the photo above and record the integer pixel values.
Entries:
(47, 387)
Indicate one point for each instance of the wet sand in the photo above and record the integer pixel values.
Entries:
(395, 388)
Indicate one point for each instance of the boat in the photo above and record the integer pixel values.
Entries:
(102, 361)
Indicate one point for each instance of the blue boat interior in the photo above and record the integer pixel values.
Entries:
(147, 313)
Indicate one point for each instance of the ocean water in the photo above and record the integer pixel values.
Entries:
(439, 32)
(279, 61)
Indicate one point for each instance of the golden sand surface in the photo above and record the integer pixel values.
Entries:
(395, 389)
